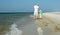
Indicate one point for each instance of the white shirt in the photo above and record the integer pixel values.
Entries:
(36, 8)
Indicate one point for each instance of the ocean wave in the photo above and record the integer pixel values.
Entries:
(31, 16)
(14, 30)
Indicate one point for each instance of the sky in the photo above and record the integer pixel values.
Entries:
(27, 5)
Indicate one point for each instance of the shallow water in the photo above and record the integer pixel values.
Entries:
(20, 24)
(6, 20)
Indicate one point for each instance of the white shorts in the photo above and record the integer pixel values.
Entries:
(35, 13)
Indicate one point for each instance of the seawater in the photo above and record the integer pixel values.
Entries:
(7, 20)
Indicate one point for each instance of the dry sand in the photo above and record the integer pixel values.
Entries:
(50, 23)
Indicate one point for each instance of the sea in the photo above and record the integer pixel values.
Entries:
(19, 23)
(8, 21)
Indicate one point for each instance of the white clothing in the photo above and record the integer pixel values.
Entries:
(36, 8)
(35, 13)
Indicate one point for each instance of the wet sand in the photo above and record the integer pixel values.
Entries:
(49, 24)
(29, 28)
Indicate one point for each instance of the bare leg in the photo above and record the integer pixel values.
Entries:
(35, 17)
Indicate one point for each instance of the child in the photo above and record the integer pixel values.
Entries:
(40, 13)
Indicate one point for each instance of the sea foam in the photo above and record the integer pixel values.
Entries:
(14, 30)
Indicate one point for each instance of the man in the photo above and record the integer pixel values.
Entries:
(36, 9)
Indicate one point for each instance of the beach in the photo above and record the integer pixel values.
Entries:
(49, 23)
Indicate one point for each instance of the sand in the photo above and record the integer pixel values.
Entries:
(50, 24)
(50, 21)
